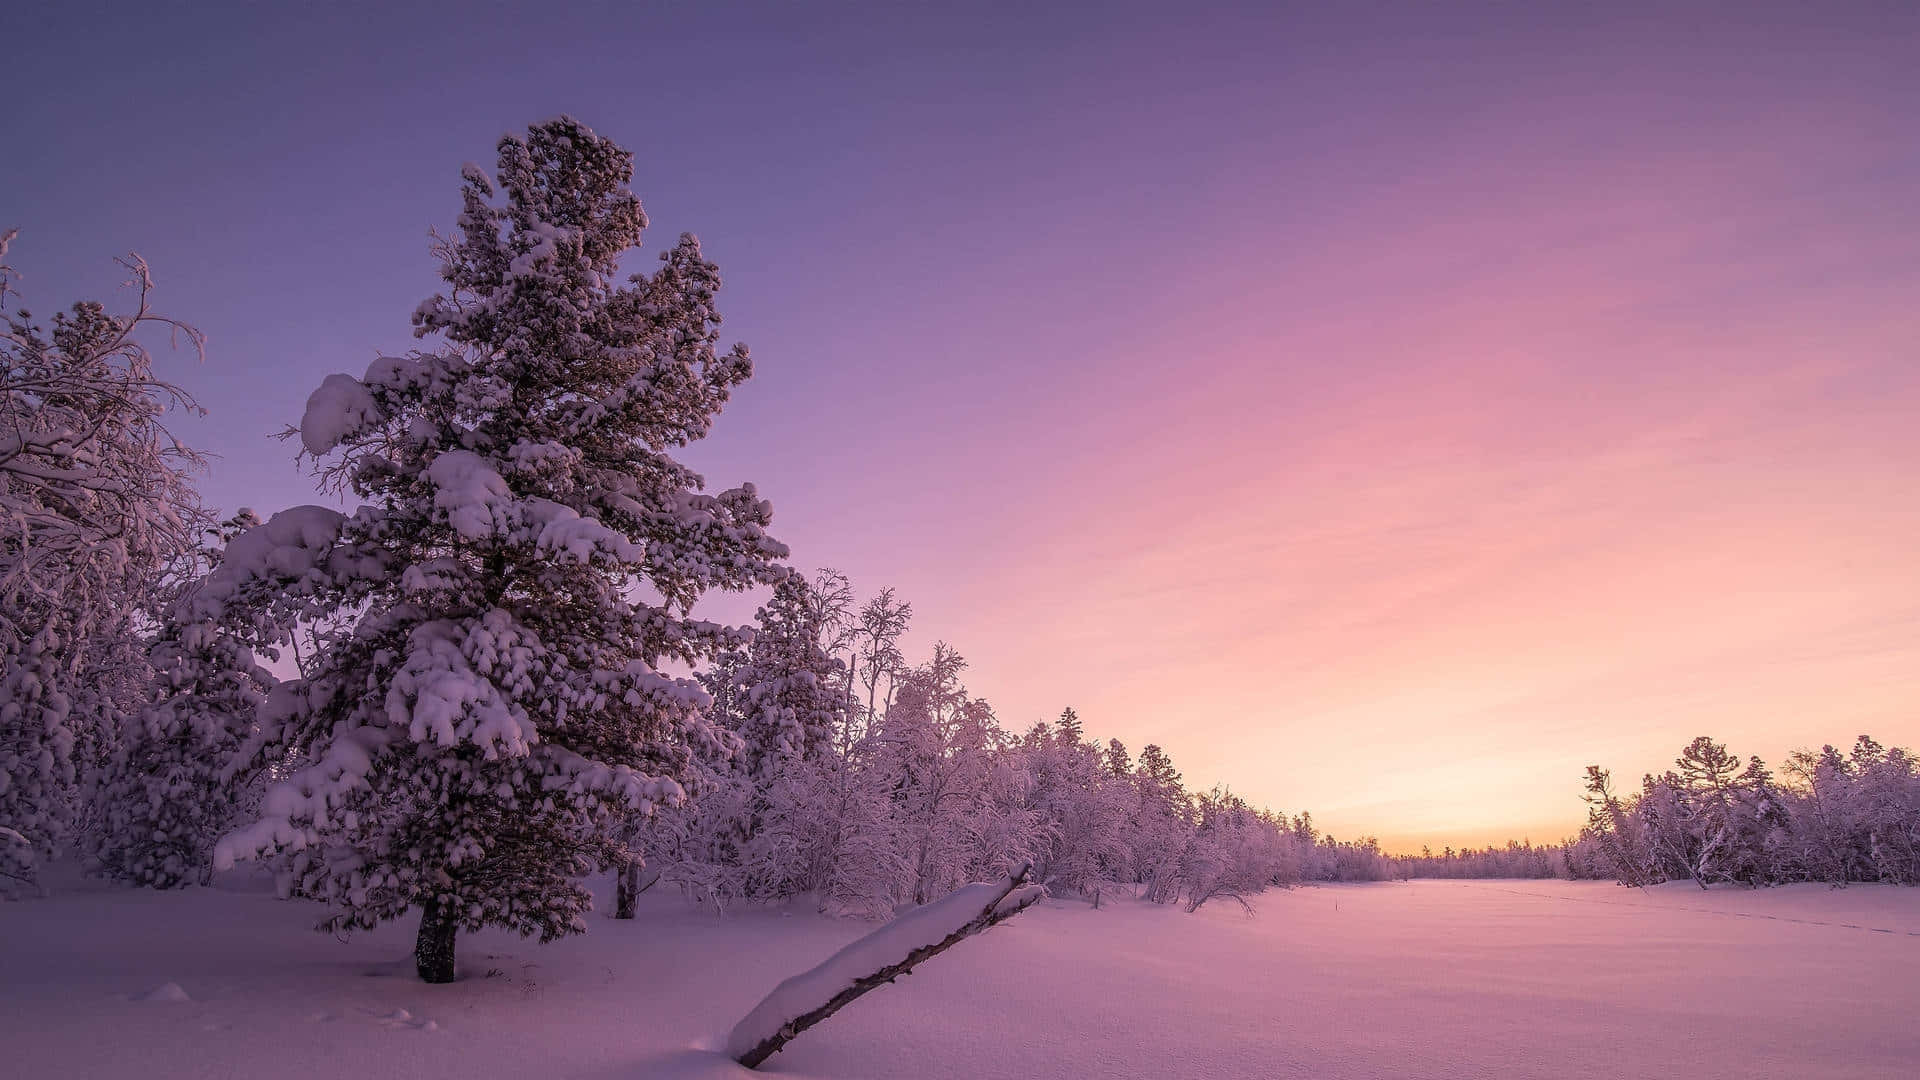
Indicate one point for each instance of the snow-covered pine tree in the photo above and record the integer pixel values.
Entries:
(95, 509)
(785, 701)
(1759, 826)
(782, 699)
(795, 709)
(1085, 813)
(791, 685)
(1661, 807)
(168, 795)
(1071, 732)
(1708, 774)
(493, 702)
(1887, 785)
(1160, 824)
(1091, 812)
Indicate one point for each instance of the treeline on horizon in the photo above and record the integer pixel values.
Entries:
(911, 770)
(1828, 817)
(883, 783)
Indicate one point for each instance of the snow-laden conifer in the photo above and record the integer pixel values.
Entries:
(761, 827)
(494, 696)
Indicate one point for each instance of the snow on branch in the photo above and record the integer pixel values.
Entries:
(889, 952)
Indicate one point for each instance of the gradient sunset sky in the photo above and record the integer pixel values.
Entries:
(1390, 409)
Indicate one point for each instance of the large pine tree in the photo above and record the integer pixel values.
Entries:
(490, 701)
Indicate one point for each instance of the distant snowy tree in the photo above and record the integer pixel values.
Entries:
(1708, 778)
(1345, 860)
(934, 747)
(96, 510)
(831, 594)
(1161, 824)
(1666, 820)
(781, 699)
(876, 641)
(860, 845)
(1233, 852)
(1071, 732)
(1887, 782)
(791, 705)
(1854, 816)
(1614, 831)
(1827, 830)
(1757, 824)
(1087, 811)
(492, 702)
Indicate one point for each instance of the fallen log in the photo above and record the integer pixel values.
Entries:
(877, 959)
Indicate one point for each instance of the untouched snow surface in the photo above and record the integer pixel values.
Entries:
(1432, 979)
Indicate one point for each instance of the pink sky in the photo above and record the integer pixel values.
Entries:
(1389, 410)
(1602, 490)
(1408, 515)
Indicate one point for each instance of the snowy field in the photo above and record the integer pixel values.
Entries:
(1429, 979)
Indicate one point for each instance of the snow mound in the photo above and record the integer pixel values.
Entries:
(167, 991)
(402, 1020)
(343, 406)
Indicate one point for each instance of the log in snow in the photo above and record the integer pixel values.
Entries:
(889, 952)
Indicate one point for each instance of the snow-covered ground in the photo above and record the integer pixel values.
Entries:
(1429, 979)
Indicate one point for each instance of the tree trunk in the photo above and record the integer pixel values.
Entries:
(626, 890)
(433, 950)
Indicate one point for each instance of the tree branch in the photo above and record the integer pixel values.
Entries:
(751, 1041)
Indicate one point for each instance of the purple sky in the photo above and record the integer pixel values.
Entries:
(1388, 409)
